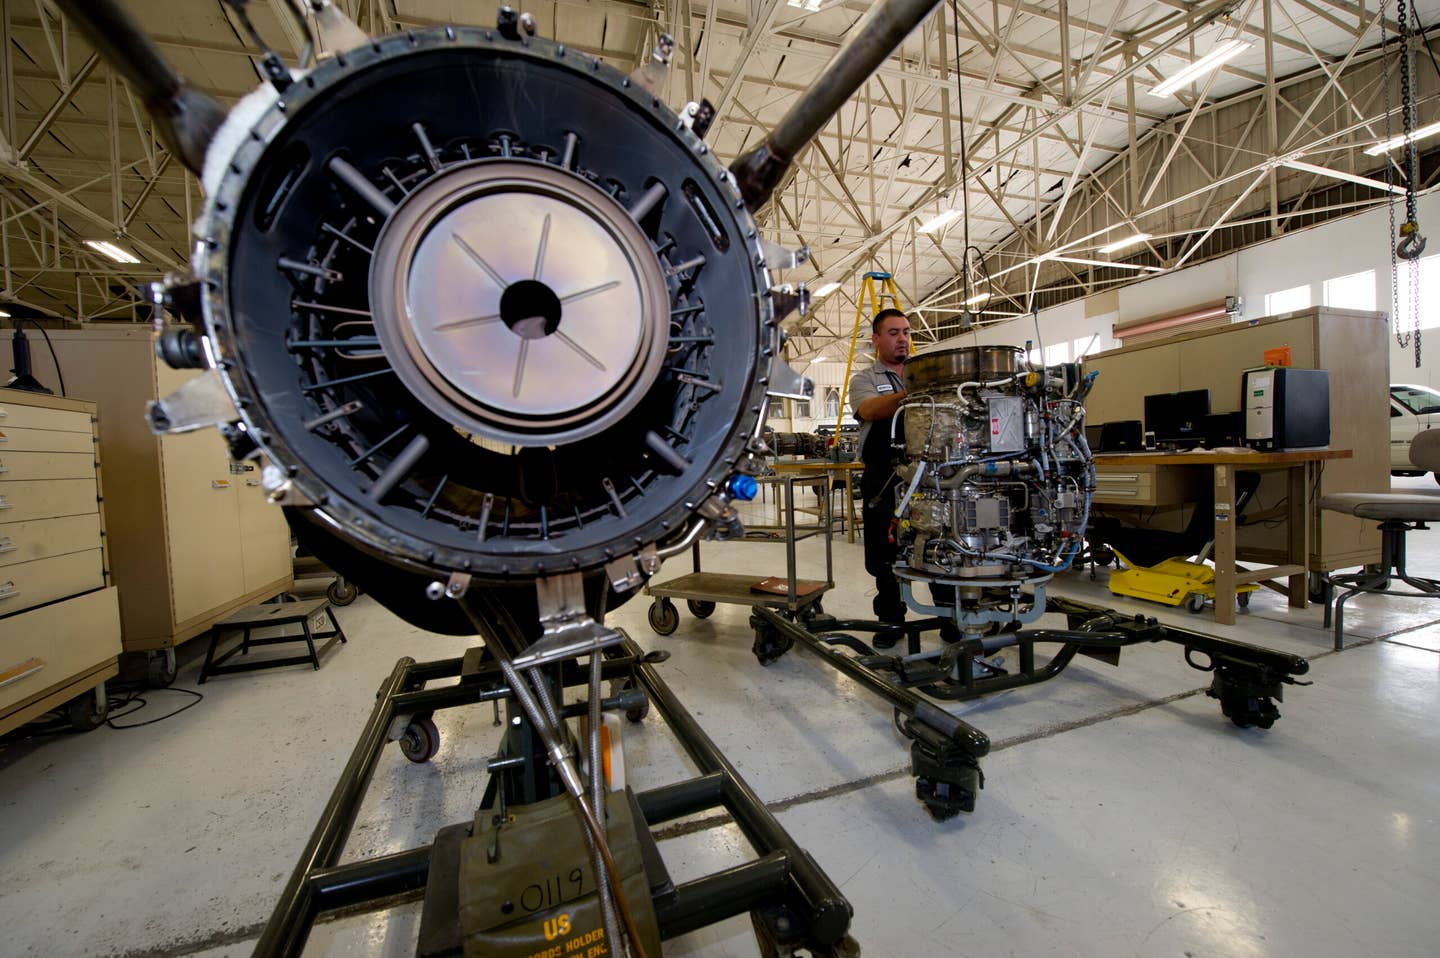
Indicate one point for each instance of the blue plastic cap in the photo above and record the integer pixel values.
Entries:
(744, 487)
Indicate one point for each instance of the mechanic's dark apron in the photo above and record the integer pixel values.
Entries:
(877, 491)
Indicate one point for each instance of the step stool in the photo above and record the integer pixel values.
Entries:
(271, 614)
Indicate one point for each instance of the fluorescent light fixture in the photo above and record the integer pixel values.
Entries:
(1100, 262)
(1198, 68)
(938, 222)
(1342, 175)
(807, 5)
(977, 298)
(821, 359)
(1118, 245)
(111, 250)
(4, 315)
(825, 290)
(1387, 145)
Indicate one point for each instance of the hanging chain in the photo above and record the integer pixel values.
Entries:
(1407, 242)
(1413, 244)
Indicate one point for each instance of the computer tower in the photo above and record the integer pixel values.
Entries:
(1286, 408)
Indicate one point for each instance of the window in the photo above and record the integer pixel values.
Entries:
(1057, 353)
(1085, 345)
(1428, 278)
(832, 403)
(1287, 300)
(1356, 291)
(801, 409)
(1418, 399)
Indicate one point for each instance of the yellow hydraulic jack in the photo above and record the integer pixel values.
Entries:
(877, 299)
(1172, 582)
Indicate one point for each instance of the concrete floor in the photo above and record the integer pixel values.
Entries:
(1122, 815)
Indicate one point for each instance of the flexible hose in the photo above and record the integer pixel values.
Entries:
(597, 801)
(548, 731)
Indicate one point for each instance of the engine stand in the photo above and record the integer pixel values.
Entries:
(945, 750)
(794, 904)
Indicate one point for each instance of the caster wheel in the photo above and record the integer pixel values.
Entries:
(1249, 711)
(770, 645)
(1321, 590)
(1242, 599)
(85, 714)
(664, 617)
(421, 739)
(637, 714)
(700, 608)
(341, 592)
(160, 670)
(1195, 603)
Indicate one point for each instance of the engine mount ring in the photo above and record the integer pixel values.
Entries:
(358, 477)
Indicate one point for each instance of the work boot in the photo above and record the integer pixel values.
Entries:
(888, 638)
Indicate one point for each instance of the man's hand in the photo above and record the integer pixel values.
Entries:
(879, 407)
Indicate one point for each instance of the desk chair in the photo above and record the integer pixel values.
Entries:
(1158, 565)
(1397, 513)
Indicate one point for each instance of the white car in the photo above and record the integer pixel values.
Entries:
(1413, 409)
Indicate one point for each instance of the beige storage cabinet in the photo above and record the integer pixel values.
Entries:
(191, 536)
(59, 615)
(1353, 345)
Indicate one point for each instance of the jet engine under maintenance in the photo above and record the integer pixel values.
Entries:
(997, 483)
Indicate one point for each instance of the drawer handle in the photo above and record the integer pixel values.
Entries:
(7, 544)
(24, 670)
(5, 503)
(1117, 477)
(252, 482)
(8, 590)
(1132, 493)
(219, 483)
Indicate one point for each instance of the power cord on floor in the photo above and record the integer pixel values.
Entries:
(139, 702)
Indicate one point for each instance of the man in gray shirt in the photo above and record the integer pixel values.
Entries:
(875, 396)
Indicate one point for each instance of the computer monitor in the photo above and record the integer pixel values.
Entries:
(1178, 418)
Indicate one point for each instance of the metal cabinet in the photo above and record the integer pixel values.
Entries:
(191, 537)
(1352, 345)
(59, 615)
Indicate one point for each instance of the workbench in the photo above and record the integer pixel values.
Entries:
(1164, 478)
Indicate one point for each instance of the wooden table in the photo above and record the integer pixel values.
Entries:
(1300, 466)
(848, 471)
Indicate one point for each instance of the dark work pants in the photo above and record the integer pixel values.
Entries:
(880, 553)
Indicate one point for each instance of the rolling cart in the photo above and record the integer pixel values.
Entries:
(703, 591)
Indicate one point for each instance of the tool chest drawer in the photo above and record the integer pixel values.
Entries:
(41, 417)
(44, 647)
(46, 465)
(44, 440)
(44, 538)
(28, 584)
(23, 500)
